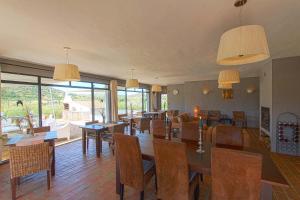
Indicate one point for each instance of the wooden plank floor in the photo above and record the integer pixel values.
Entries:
(88, 177)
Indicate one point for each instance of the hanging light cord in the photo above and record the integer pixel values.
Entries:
(240, 21)
(67, 54)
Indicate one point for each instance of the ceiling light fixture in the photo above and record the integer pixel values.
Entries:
(156, 87)
(243, 44)
(225, 86)
(229, 77)
(132, 83)
(66, 72)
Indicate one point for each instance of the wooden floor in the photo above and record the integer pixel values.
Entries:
(88, 177)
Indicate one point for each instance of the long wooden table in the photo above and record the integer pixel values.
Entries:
(201, 163)
(50, 137)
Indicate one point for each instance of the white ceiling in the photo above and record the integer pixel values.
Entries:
(175, 40)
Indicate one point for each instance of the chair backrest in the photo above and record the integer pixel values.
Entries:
(128, 154)
(144, 123)
(189, 130)
(158, 128)
(120, 116)
(41, 129)
(235, 174)
(119, 128)
(239, 115)
(172, 169)
(231, 136)
(91, 122)
(29, 159)
(214, 115)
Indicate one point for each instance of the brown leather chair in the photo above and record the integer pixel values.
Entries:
(235, 174)
(143, 124)
(134, 171)
(189, 130)
(158, 128)
(174, 180)
(29, 159)
(239, 118)
(41, 130)
(228, 136)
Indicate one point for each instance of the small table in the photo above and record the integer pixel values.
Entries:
(50, 137)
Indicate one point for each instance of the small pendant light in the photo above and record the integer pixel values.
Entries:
(132, 83)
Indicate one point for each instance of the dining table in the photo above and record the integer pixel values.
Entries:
(49, 137)
(130, 119)
(201, 162)
(99, 129)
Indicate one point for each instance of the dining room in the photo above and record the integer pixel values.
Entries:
(169, 100)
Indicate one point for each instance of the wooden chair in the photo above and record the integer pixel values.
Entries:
(41, 130)
(25, 160)
(235, 174)
(189, 130)
(239, 117)
(143, 124)
(228, 136)
(158, 128)
(134, 171)
(174, 180)
(109, 137)
(90, 135)
(214, 117)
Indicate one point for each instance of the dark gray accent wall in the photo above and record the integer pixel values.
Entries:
(191, 94)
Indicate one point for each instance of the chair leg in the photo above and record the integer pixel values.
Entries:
(197, 193)
(121, 191)
(48, 179)
(87, 142)
(18, 181)
(13, 182)
(142, 195)
(201, 178)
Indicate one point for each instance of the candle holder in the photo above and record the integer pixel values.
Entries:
(200, 149)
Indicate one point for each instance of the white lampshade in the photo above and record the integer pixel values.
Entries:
(243, 45)
(156, 88)
(225, 86)
(132, 83)
(229, 77)
(66, 72)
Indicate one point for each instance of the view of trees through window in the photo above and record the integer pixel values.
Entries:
(164, 101)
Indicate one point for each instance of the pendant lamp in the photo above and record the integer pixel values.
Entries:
(66, 72)
(132, 83)
(229, 77)
(156, 88)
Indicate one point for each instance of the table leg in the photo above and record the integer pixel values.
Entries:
(52, 143)
(83, 141)
(266, 191)
(98, 144)
(117, 174)
(131, 126)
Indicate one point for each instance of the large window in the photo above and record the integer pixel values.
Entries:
(135, 101)
(122, 100)
(101, 94)
(164, 101)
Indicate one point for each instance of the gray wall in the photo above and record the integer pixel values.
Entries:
(285, 89)
(190, 94)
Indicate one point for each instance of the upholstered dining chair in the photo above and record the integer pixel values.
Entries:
(239, 117)
(235, 174)
(228, 136)
(91, 134)
(42, 129)
(174, 179)
(134, 171)
(109, 137)
(189, 130)
(143, 124)
(29, 159)
(158, 128)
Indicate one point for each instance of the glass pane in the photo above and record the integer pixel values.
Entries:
(81, 84)
(66, 109)
(134, 102)
(100, 86)
(17, 77)
(121, 88)
(121, 102)
(146, 101)
(54, 82)
(101, 105)
(135, 90)
(164, 101)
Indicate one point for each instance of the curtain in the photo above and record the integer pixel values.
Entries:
(153, 101)
(114, 100)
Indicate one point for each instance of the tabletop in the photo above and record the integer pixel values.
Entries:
(46, 136)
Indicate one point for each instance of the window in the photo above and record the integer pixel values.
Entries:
(164, 101)
(101, 105)
(122, 102)
(134, 102)
(146, 96)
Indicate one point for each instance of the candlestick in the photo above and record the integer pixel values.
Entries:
(200, 149)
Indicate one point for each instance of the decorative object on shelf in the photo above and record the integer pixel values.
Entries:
(227, 94)
(175, 92)
(229, 77)
(132, 83)
(205, 91)
(243, 44)
(66, 72)
(288, 134)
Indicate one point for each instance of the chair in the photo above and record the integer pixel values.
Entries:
(158, 128)
(41, 130)
(90, 134)
(189, 130)
(109, 137)
(235, 174)
(214, 117)
(143, 124)
(134, 171)
(239, 117)
(228, 136)
(25, 160)
(174, 180)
